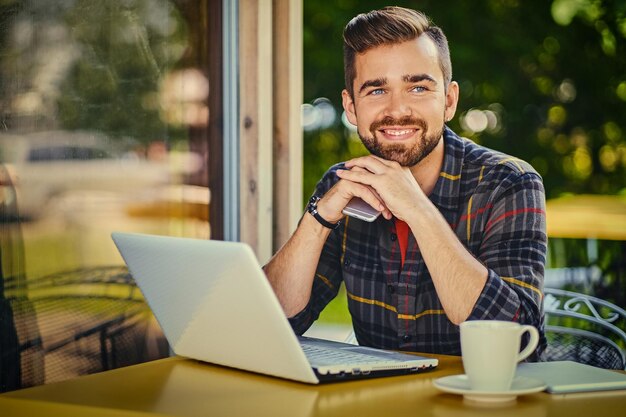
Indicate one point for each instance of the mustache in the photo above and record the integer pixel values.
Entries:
(403, 121)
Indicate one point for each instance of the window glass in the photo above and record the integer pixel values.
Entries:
(104, 117)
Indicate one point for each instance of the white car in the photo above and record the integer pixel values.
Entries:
(44, 165)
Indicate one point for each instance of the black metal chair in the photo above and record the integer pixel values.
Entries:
(584, 329)
(69, 323)
(88, 320)
(17, 317)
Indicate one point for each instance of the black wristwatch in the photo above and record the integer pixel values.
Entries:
(312, 208)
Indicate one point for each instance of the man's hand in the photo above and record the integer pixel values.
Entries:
(336, 199)
(393, 184)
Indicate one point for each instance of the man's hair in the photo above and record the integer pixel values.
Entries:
(388, 26)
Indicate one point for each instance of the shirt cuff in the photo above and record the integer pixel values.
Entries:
(301, 322)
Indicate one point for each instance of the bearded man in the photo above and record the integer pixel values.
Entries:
(461, 235)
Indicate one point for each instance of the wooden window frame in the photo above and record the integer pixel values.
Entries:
(270, 133)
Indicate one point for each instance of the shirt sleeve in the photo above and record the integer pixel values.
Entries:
(328, 276)
(514, 251)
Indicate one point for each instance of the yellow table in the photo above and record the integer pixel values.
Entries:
(587, 217)
(181, 387)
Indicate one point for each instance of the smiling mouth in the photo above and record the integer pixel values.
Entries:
(394, 133)
(397, 132)
(398, 129)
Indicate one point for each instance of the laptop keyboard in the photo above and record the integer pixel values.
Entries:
(331, 359)
(327, 356)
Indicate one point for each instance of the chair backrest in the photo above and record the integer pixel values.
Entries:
(584, 329)
(17, 316)
(69, 323)
(80, 322)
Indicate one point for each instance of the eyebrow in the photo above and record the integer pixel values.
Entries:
(415, 78)
(378, 82)
(409, 78)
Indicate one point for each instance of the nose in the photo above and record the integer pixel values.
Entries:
(398, 106)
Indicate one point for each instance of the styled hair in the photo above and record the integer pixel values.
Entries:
(387, 26)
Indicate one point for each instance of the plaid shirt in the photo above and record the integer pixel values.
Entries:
(496, 206)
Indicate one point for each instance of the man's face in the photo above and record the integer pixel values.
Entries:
(400, 101)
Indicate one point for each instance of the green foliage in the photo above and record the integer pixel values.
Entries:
(606, 255)
(124, 54)
(96, 66)
(552, 73)
(336, 312)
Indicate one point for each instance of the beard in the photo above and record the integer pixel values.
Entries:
(406, 156)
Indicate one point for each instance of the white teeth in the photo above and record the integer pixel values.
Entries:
(398, 132)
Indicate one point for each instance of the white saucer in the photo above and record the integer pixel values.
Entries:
(459, 384)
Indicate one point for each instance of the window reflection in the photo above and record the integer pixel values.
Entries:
(104, 113)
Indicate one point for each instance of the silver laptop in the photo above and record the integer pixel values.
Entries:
(215, 304)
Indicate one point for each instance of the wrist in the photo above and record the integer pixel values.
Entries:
(313, 229)
(424, 216)
(313, 211)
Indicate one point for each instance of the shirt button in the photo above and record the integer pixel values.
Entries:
(391, 288)
(346, 263)
(393, 237)
(406, 338)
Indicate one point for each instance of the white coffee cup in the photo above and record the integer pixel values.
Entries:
(490, 350)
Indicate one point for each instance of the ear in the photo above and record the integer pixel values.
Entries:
(452, 99)
(348, 106)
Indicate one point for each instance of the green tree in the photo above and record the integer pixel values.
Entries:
(92, 65)
(124, 54)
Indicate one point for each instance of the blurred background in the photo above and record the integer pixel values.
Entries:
(105, 125)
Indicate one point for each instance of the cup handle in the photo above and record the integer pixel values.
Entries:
(532, 343)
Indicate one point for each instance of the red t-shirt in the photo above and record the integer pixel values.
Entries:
(402, 231)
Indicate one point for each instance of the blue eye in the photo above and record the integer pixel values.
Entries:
(377, 92)
(418, 89)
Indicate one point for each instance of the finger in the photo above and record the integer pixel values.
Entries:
(375, 193)
(357, 176)
(385, 211)
(384, 161)
(350, 189)
(370, 162)
(371, 197)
